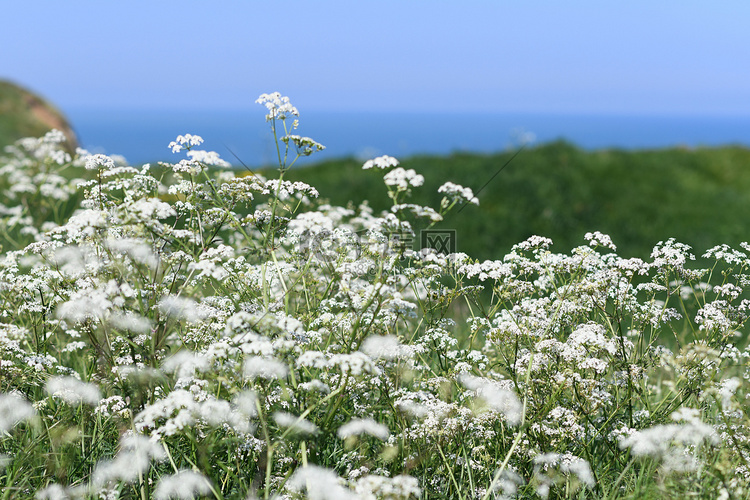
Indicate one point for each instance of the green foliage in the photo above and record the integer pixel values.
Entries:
(557, 190)
(23, 114)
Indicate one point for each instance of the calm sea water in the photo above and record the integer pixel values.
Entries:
(142, 136)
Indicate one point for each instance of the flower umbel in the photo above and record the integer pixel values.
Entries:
(278, 106)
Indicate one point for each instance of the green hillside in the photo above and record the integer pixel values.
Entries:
(25, 114)
(700, 197)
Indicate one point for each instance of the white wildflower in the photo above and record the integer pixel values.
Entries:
(114, 405)
(13, 409)
(181, 308)
(278, 106)
(591, 336)
(382, 162)
(495, 397)
(130, 321)
(674, 255)
(208, 158)
(190, 167)
(401, 179)
(564, 463)
(85, 303)
(184, 485)
(387, 347)
(711, 317)
(304, 145)
(84, 223)
(312, 359)
(401, 487)
(726, 253)
(354, 364)
(287, 189)
(315, 385)
(74, 346)
(134, 458)
(296, 424)
(672, 443)
(727, 290)
(53, 492)
(152, 208)
(359, 426)
(533, 243)
(267, 368)
(506, 482)
(418, 211)
(135, 249)
(73, 391)
(184, 363)
(246, 403)
(458, 193)
(99, 162)
(489, 269)
(727, 390)
(597, 239)
(208, 268)
(320, 484)
(186, 141)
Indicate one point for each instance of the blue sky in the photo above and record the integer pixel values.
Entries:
(665, 57)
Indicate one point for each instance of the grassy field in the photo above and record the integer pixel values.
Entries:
(698, 196)
(185, 331)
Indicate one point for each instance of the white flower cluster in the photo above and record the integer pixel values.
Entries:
(295, 424)
(418, 211)
(401, 487)
(495, 397)
(489, 269)
(265, 368)
(186, 141)
(674, 444)
(458, 193)
(357, 427)
(184, 409)
(134, 458)
(402, 179)
(319, 483)
(191, 167)
(208, 158)
(597, 239)
(237, 325)
(73, 391)
(286, 189)
(382, 162)
(181, 307)
(278, 106)
(13, 409)
(304, 145)
(564, 463)
(99, 162)
(183, 485)
(387, 347)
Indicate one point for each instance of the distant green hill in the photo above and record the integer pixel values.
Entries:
(700, 197)
(25, 114)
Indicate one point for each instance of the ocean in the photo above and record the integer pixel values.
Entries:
(244, 136)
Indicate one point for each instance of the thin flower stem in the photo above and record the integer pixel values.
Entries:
(521, 432)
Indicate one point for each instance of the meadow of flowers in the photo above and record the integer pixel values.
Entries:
(189, 330)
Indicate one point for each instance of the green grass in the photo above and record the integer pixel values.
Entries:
(560, 191)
